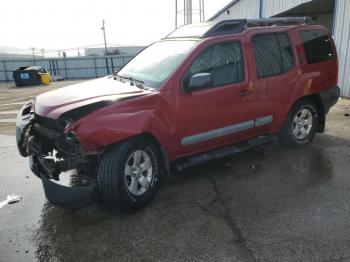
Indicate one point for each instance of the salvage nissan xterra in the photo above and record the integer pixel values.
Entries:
(202, 88)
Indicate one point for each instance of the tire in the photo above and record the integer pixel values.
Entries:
(129, 173)
(303, 117)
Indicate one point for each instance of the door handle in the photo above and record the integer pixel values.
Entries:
(243, 93)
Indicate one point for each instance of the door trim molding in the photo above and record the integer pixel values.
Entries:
(227, 130)
(261, 121)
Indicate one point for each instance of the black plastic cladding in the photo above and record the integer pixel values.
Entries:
(227, 27)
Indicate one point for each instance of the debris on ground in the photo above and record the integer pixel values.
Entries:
(11, 199)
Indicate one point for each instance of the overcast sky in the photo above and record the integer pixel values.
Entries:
(76, 23)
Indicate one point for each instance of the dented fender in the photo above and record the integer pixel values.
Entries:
(98, 132)
(117, 123)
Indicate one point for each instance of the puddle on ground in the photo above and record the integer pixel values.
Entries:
(310, 167)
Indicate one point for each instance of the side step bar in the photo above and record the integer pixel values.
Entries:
(226, 151)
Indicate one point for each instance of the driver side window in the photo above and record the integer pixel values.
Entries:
(223, 61)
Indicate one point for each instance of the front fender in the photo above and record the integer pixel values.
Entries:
(97, 132)
(147, 114)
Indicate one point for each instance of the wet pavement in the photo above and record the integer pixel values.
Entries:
(267, 204)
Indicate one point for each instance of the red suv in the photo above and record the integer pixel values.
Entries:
(195, 92)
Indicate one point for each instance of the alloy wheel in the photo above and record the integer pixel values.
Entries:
(138, 172)
(302, 123)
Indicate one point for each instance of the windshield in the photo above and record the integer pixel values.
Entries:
(157, 62)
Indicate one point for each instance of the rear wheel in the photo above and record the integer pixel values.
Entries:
(128, 175)
(301, 124)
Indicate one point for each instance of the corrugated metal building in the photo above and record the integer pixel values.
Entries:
(334, 14)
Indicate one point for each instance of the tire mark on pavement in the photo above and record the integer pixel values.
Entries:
(8, 120)
(8, 112)
(11, 104)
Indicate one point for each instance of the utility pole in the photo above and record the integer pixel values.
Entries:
(43, 52)
(201, 11)
(33, 51)
(202, 7)
(103, 28)
(186, 11)
(189, 11)
(175, 14)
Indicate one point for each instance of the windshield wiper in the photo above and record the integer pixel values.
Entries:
(136, 82)
(131, 79)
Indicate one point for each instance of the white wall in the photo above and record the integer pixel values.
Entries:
(251, 8)
(342, 39)
(274, 7)
(242, 9)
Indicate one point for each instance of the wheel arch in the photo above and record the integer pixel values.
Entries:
(321, 114)
(163, 154)
(161, 151)
(321, 117)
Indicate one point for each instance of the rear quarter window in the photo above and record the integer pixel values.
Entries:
(317, 46)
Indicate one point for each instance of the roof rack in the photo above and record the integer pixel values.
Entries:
(279, 21)
(233, 26)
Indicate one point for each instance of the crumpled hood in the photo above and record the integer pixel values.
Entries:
(57, 102)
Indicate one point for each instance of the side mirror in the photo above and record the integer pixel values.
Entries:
(198, 81)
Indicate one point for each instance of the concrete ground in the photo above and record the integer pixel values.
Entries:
(267, 204)
(12, 98)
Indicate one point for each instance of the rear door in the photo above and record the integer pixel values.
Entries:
(274, 78)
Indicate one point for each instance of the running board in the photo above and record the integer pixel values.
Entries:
(226, 151)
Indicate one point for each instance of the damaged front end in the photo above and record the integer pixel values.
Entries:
(52, 151)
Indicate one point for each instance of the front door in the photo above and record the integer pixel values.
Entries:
(223, 112)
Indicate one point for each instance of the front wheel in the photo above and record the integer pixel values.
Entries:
(300, 127)
(128, 174)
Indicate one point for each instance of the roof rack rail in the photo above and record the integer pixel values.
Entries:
(278, 21)
(233, 26)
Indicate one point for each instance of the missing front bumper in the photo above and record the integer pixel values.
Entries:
(51, 152)
(69, 197)
(64, 196)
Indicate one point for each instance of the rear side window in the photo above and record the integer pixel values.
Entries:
(286, 51)
(224, 62)
(317, 45)
(273, 54)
